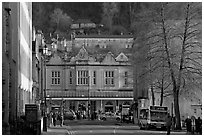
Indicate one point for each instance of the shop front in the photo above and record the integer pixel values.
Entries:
(98, 101)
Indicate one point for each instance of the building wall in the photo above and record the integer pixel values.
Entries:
(121, 42)
(20, 54)
(17, 60)
(6, 40)
(100, 77)
(56, 64)
(25, 54)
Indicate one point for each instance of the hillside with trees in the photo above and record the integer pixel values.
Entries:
(116, 17)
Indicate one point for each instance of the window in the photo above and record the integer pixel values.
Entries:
(195, 111)
(126, 78)
(70, 78)
(102, 46)
(109, 78)
(55, 77)
(128, 46)
(83, 77)
(94, 77)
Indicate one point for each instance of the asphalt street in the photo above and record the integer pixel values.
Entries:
(96, 127)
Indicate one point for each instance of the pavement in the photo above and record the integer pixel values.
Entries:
(58, 130)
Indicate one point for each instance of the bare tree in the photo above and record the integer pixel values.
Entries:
(174, 47)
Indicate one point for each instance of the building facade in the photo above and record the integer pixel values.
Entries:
(16, 62)
(102, 41)
(101, 77)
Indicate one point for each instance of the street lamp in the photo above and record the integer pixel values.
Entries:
(89, 105)
(45, 52)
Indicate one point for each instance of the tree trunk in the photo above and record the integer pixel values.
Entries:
(153, 99)
(176, 108)
(173, 78)
(162, 94)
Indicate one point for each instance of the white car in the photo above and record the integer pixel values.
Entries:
(69, 115)
(110, 116)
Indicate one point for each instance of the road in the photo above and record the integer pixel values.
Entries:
(109, 128)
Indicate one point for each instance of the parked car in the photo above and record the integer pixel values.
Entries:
(110, 116)
(69, 114)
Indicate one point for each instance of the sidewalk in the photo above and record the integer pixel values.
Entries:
(57, 130)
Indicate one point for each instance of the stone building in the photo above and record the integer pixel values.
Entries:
(99, 76)
(16, 62)
(103, 41)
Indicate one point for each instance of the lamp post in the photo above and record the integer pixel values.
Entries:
(45, 52)
(89, 105)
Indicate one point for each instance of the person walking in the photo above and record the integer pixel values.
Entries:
(60, 118)
(54, 119)
(173, 123)
(188, 124)
(168, 124)
(193, 124)
(198, 125)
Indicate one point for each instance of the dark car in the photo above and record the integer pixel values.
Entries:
(69, 115)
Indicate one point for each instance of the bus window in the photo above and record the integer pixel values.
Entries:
(158, 116)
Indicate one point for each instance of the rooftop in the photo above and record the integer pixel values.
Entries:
(82, 21)
(104, 36)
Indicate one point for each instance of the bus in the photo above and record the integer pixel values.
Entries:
(153, 117)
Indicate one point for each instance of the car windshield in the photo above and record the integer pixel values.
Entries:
(158, 116)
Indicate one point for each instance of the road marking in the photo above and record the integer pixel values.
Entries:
(69, 131)
(114, 131)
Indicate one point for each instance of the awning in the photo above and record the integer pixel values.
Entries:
(90, 94)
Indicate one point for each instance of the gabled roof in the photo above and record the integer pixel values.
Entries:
(122, 57)
(109, 59)
(97, 54)
(56, 59)
(82, 54)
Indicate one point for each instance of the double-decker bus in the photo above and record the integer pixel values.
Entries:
(153, 117)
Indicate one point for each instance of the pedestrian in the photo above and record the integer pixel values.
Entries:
(198, 125)
(193, 124)
(188, 124)
(60, 118)
(95, 114)
(54, 119)
(51, 120)
(48, 119)
(173, 122)
(168, 124)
